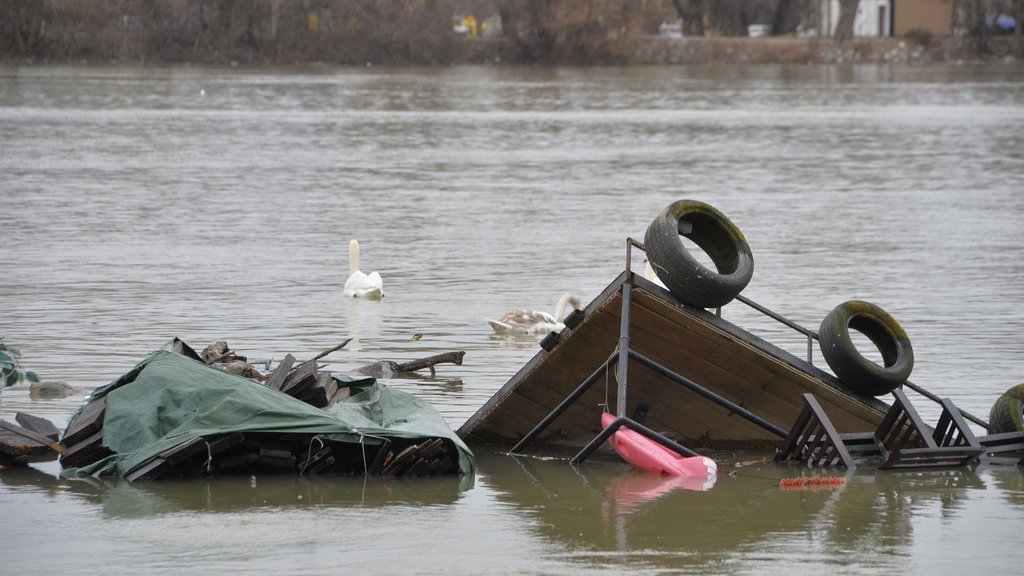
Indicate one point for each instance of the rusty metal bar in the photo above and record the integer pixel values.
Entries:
(723, 402)
(937, 400)
(569, 400)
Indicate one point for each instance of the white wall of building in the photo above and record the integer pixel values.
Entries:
(874, 17)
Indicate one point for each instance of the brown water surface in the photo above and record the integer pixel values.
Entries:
(140, 204)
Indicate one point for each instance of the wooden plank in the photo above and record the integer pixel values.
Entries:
(85, 452)
(303, 376)
(276, 458)
(88, 421)
(401, 462)
(1004, 442)
(343, 393)
(432, 448)
(321, 465)
(28, 440)
(314, 459)
(184, 451)
(378, 460)
(41, 426)
(224, 442)
(277, 377)
(152, 470)
(329, 384)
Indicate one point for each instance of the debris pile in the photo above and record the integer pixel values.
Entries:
(32, 439)
(174, 418)
(303, 454)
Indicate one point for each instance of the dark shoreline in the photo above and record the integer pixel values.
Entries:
(651, 51)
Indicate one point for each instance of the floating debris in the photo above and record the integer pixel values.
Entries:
(812, 483)
(174, 416)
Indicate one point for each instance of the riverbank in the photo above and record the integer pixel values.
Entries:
(393, 32)
(784, 50)
(649, 51)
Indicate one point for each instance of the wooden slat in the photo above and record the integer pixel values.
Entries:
(277, 377)
(88, 421)
(85, 452)
(303, 376)
(38, 425)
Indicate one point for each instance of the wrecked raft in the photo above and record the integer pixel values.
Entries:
(685, 376)
(174, 416)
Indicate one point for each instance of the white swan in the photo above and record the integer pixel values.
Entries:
(361, 285)
(524, 321)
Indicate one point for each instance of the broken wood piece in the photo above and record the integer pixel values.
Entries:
(329, 385)
(85, 452)
(20, 445)
(341, 395)
(321, 465)
(446, 358)
(418, 468)
(388, 368)
(152, 470)
(88, 421)
(314, 459)
(184, 451)
(222, 443)
(237, 461)
(303, 376)
(277, 458)
(41, 426)
(320, 393)
(401, 462)
(378, 460)
(278, 376)
(328, 351)
(432, 449)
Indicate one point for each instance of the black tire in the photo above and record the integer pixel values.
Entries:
(860, 374)
(1007, 413)
(685, 277)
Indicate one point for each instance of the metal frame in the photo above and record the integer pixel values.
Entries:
(621, 358)
(624, 354)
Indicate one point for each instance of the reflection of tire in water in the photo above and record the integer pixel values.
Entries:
(716, 235)
(860, 374)
(1007, 413)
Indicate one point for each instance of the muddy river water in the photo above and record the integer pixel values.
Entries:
(142, 203)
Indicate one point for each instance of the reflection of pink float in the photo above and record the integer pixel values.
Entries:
(635, 488)
(650, 456)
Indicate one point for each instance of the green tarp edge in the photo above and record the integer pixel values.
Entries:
(169, 398)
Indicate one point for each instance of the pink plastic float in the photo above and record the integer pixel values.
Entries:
(650, 456)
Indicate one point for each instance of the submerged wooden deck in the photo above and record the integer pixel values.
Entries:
(692, 342)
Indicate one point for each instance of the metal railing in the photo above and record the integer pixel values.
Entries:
(810, 334)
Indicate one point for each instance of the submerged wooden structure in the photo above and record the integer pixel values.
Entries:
(683, 376)
(712, 360)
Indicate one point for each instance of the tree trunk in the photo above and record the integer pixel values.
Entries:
(790, 14)
(847, 16)
(727, 17)
(1017, 34)
(692, 15)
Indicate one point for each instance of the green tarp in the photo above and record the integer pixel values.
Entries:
(169, 398)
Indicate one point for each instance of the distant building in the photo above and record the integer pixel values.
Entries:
(934, 16)
(874, 17)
